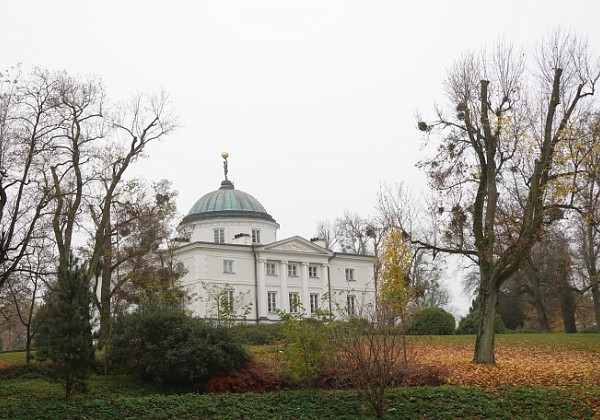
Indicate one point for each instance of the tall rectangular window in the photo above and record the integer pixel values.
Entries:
(292, 270)
(313, 271)
(227, 301)
(255, 236)
(228, 266)
(219, 235)
(351, 304)
(294, 303)
(350, 274)
(314, 303)
(271, 269)
(271, 302)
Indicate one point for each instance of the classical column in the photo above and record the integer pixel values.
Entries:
(327, 287)
(324, 278)
(262, 290)
(304, 294)
(284, 300)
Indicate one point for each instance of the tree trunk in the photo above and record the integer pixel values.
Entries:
(28, 345)
(567, 308)
(596, 299)
(536, 295)
(484, 344)
(105, 309)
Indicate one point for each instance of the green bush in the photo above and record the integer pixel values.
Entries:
(307, 348)
(164, 345)
(25, 371)
(432, 321)
(470, 323)
(258, 334)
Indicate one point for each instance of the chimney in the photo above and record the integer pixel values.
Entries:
(320, 242)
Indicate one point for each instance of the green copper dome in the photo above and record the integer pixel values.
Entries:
(227, 202)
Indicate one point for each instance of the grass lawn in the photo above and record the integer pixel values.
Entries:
(536, 376)
(12, 357)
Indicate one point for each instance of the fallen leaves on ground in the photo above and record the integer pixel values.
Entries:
(515, 366)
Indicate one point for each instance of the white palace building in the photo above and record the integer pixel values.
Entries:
(231, 254)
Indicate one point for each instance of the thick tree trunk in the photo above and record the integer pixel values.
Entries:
(485, 341)
(596, 299)
(540, 309)
(567, 308)
(565, 297)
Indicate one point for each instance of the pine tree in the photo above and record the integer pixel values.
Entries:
(66, 336)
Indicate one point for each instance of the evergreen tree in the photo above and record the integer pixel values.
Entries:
(66, 336)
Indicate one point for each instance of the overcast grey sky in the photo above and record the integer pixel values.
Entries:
(314, 100)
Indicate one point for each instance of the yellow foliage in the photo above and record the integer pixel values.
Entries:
(395, 261)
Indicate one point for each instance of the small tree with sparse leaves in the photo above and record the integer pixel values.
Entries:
(371, 349)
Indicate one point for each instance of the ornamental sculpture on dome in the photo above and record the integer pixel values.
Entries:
(226, 184)
(225, 155)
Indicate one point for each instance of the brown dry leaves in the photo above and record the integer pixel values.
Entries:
(515, 366)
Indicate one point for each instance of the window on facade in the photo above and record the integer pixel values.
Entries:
(313, 271)
(255, 236)
(314, 303)
(228, 266)
(292, 270)
(271, 301)
(350, 274)
(219, 235)
(227, 301)
(351, 304)
(271, 269)
(294, 303)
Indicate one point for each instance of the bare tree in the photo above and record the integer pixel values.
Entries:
(80, 105)
(327, 232)
(397, 208)
(25, 290)
(144, 120)
(28, 124)
(588, 218)
(506, 143)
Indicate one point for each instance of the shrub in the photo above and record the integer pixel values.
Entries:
(258, 334)
(470, 323)
(253, 377)
(432, 321)
(25, 371)
(424, 375)
(307, 347)
(163, 344)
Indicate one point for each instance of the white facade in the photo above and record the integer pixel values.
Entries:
(232, 254)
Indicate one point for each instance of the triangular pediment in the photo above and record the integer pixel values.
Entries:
(296, 244)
